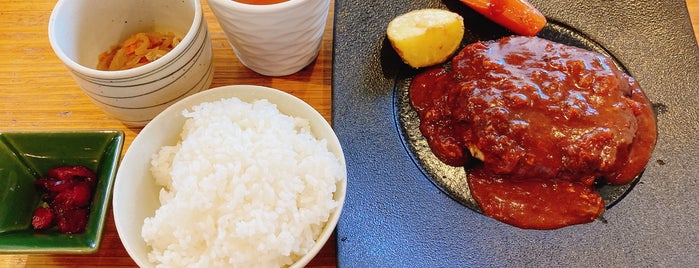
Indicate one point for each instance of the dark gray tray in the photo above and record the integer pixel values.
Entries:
(395, 216)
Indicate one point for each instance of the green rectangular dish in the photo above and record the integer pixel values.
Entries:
(26, 156)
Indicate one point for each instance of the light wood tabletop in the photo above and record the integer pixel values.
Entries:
(37, 93)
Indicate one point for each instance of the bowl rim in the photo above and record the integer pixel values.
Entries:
(197, 22)
(163, 121)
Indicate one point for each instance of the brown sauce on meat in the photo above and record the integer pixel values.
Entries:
(544, 120)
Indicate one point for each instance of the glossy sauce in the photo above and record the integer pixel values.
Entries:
(544, 120)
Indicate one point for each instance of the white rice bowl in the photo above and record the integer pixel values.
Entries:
(237, 176)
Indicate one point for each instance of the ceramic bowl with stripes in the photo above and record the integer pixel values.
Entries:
(79, 30)
(273, 40)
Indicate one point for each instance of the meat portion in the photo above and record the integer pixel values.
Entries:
(544, 119)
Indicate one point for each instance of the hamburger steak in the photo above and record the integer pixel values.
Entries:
(537, 125)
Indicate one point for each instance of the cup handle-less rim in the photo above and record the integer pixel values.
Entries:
(260, 8)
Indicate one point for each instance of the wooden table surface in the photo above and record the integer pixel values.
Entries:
(37, 93)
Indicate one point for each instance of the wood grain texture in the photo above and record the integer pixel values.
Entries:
(693, 7)
(37, 93)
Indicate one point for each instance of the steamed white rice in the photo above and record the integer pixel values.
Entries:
(246, 186)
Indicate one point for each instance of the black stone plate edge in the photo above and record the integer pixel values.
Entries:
(389, 217)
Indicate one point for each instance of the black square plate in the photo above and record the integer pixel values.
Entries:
(395, 216)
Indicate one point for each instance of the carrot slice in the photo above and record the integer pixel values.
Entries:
(517, 16)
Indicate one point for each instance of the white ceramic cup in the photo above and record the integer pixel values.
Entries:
(273, 40)
(80, 30)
